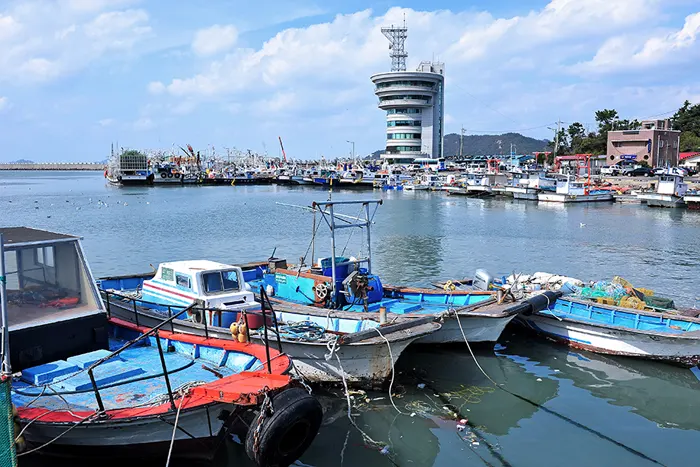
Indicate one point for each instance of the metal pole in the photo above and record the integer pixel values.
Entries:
(334, 295)
(6, 368)
(165, 371)
(369, 242)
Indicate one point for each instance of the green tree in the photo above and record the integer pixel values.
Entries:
(687, 119)
(577, 133)
(690, 142)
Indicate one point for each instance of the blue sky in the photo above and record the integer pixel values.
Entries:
(77, 75)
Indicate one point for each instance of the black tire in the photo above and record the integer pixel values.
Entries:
(163, 175)
(170, 175)
(291, 429)
(177, 175)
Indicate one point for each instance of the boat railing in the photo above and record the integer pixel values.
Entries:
(266, 307)
(151, 332)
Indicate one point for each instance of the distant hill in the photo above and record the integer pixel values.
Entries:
(483, 145)
(22, 161)
(486, 145)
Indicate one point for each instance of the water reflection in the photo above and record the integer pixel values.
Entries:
(623, 382)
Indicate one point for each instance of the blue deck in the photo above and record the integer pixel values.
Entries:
(300, 290)
(606, 316)
(134, 377)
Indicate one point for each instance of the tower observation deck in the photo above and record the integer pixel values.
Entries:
(413, 102)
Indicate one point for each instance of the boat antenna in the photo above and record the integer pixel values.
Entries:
(273, 253)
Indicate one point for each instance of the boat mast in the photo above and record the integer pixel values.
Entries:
(327, 210)
(6, 368)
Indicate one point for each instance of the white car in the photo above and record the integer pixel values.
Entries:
(610, 170)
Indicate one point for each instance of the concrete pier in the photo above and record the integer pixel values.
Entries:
(53, 166)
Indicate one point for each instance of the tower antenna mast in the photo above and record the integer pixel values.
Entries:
(397, 38)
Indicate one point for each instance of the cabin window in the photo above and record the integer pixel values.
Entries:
(167, 274)
(220, 281)
(183, 281)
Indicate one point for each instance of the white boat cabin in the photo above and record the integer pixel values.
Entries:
(570, 187)
(671, 184)
(211, 284)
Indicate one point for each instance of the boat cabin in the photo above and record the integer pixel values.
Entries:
(215, 285)
(53, 306)
(671, 184)
(570, 187)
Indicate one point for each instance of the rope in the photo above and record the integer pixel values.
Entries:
(332, 348)
(303, 330)
(172, 439)
(456, 314)
(57, 437)
(393, 372)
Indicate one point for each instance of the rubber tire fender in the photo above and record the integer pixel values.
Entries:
(163, 175)
(288, 432)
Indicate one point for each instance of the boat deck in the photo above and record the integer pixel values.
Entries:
(134, 378)
(640, 321)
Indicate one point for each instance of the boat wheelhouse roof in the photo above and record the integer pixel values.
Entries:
(197, 265)
(23, 236)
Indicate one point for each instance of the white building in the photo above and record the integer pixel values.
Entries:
(413, 102)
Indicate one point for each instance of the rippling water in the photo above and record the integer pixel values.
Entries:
(569, 407)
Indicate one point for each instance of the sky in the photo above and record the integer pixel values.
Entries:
(79, 75)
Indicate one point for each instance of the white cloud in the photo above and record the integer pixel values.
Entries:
(105, 122)
(214, 40)
(344, 52)
(43, 40)
(8, 27)
(4, 103)
(629, 53)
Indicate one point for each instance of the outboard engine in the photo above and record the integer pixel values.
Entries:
(360, 286)
(482, 280)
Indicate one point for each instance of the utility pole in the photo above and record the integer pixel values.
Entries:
(461, 142)
(556, 138)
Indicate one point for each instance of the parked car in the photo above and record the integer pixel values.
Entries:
(613, 170)
(671, 170)
(641, 172)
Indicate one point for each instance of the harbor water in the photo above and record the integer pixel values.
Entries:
(552, 406)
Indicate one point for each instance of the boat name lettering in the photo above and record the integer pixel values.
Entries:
(167, 274)
(281, 278)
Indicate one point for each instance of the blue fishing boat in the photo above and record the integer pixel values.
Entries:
(362, 351)
(89, 384)
(614, 330)
(348, 284)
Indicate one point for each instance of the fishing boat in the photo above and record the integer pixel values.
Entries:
(669, 192)
(572, 191)
(692, 200)
(113, 388)
(326, 348)
(614, 330)
(348, 284)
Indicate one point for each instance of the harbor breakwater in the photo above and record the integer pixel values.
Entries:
(52, 166)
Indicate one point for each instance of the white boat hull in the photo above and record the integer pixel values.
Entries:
(476, 329)
(693, 201)
(616, 341)
(366, 363)
(657, 200)
(564, 198)
(525, 193)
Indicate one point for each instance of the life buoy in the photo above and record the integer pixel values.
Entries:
(163, 175)
(281, 438)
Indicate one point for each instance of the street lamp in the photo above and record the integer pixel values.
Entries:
(353, 148)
